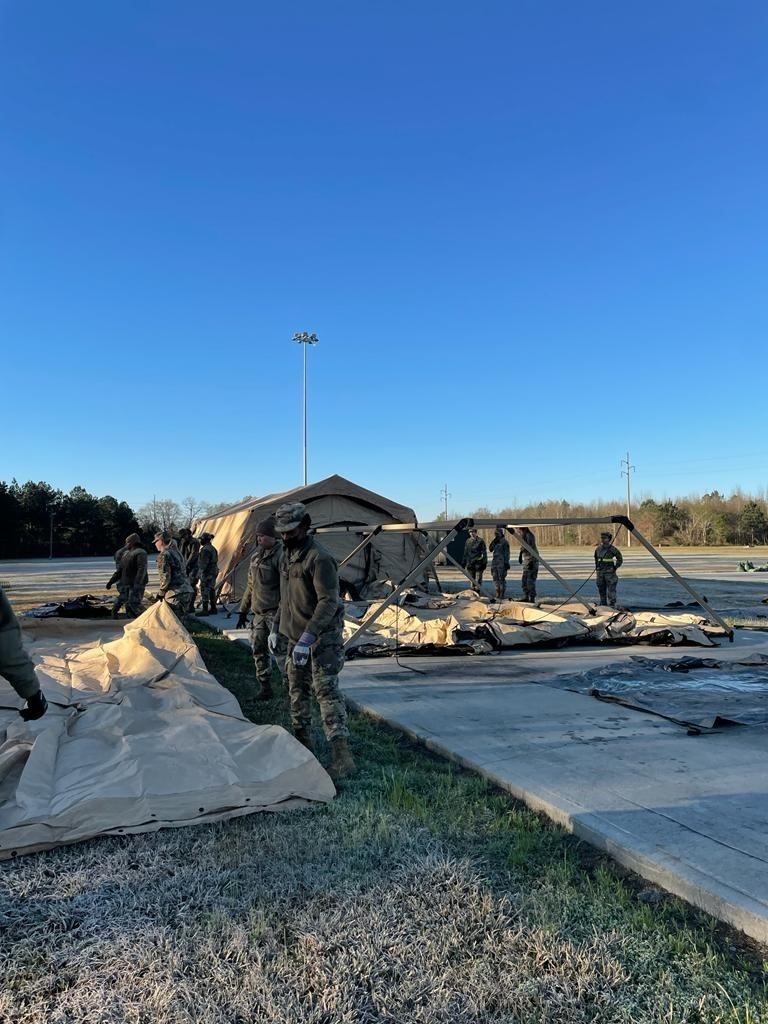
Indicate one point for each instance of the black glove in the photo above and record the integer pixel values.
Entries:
(241, 620)
(109, 585)
(36, 707)
(158, 597)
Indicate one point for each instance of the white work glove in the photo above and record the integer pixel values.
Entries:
(273, 642)
(303, 647)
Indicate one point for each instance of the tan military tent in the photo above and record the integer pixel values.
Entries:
(334, 502)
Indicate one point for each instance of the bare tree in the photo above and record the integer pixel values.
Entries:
(160, 512)
(193, 508)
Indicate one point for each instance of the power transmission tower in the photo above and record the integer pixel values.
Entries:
(445, 496)
(626, 472)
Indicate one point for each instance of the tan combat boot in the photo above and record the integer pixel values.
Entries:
(342, 763)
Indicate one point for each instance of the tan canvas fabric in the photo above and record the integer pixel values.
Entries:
(138, 736)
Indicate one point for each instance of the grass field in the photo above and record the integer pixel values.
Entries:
(420, 894)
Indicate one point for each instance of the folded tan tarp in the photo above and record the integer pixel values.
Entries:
(439, 621)
(138, 736)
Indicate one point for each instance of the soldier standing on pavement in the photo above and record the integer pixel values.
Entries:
(530, 564)
(117, 577)
(131, 576)
(208, 567)
(500, 562)
(190, 552)
(311, 617)
(262, 597)
(475, 557)
(607, 560)
(16, 665)
(174, 585)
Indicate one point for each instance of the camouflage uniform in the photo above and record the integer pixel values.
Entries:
(208, 567)
(15, 664)
(475, 559)
(135, 577)
(174, 586)
(500, 563)
(117, 578)
(262, 597)
(530, 564)
(309, 602)
(607, 560)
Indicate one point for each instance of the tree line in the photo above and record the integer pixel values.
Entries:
(37, 520)
(703, 520)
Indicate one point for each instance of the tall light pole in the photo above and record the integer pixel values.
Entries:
(626, 472)
(303, 338)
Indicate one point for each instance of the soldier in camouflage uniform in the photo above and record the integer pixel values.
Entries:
(131, 576)
(607, 560)
(16, 665)
(499, 562)
(190, 552)
(208, 567)
(117, 577)
(530, 564)
(311, 617)
(262, 597)
(475, 558)
(174, 585)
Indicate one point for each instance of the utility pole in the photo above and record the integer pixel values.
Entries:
(445, 496)
(626, 472)
(303, 338)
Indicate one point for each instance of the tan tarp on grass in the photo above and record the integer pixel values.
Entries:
(437, 621)
(330, 502)
(139, 736)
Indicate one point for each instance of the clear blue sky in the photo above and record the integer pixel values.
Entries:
(530, 236)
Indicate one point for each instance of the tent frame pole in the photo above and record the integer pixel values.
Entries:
(416, 571)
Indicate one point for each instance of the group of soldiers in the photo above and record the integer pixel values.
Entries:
(181, 565)
(608, 559)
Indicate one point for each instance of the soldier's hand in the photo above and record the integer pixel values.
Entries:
(158, 597)
(241, 620)
(300, 654)
(109, 585)
(273, 641)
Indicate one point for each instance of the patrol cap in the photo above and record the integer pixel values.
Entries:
(290, 515)
(606, 533)
(162, 535)
(133, 538)
(266, 528)
(206, 536)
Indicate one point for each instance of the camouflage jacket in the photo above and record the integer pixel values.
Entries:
(15, 664)
(309, 591)
(170, 569)
(500, 549)
(525, 556)
(262, 591)
(208, 561)
(475, 552)
(190, 551)
(607, 557)
(133, 567)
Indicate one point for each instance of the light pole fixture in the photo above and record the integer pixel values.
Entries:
(303, 338)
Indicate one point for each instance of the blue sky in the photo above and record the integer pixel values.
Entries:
(530, 237)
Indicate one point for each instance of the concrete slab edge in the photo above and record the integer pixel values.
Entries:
(720, 900)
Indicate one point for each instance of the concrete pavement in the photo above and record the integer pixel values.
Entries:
(689, 813)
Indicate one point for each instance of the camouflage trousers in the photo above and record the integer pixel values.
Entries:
(208, 590)
(260, 629)
(134, 599)
(121, 598)
(530, 572)
(606, 586)
(180, 600)
(319, 676)
(499, 577)
(476, 570)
